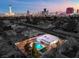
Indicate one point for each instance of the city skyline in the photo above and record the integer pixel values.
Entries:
(38, 5)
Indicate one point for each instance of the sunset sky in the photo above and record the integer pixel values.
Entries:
(38, 5)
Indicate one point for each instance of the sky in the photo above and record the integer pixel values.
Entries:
(38, 5)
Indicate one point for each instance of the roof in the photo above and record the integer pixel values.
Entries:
(47, 38)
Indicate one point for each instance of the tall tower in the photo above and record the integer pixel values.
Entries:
(10, 8)
(10, 13)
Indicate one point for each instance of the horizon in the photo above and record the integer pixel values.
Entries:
(36, 6)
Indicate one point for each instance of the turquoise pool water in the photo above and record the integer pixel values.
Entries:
(38, 46)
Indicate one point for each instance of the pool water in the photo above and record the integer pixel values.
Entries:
(38, 46)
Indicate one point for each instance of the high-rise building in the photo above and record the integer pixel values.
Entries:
(70, 10)
(77, 11)
(45, 12)
(45, 9)
(28, 12)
